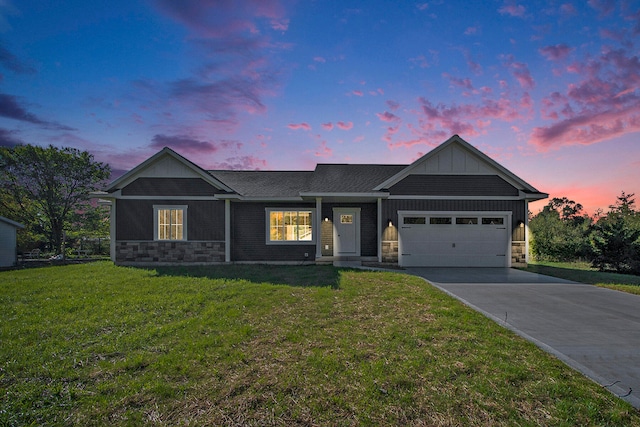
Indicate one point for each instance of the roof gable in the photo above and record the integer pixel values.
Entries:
(166, 164)
(457, 157)
(11, 222)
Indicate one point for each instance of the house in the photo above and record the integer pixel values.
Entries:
(454, 206)
(8, 248)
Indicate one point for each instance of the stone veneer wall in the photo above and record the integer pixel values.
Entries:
(169, 252)
(518, 254)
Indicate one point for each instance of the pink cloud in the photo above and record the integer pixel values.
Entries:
(603, 105)
(297, 126)
(388, 117)
(190, 145)
(327, 126)
(239, 163)
(463, 83)
(323, 150)
(513, 9)
(471, 31)
(393, 105)
(357, 92)
(555, 52)
(521, 73)
(319, 59)
(567, 9)
(345, 125)
(604, 7)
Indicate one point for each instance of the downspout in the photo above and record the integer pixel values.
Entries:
(227, 230)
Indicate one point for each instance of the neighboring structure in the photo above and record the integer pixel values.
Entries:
(452, 207)
(8, 247)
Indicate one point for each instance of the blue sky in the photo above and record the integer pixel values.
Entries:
(550, 89)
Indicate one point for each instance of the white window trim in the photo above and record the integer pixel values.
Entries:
(156, 208)
(267, 221)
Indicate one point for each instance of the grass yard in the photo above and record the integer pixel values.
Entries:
(97, 345)
(583, 272)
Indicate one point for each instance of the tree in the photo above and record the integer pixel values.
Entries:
(616, 237)
(42, 186)
(560, 231)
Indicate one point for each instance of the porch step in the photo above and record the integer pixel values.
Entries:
(339, 263)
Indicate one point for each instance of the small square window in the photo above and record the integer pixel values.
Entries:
(492, 221)
(438, 220)
(414, 220)
(346, 219)
(466, 220)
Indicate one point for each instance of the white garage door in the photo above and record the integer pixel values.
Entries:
(468, 239)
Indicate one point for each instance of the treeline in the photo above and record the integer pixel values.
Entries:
(610, 241)
(48, 189)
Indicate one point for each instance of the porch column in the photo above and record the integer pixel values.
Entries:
(379, 224)
(318, 227)
(227, 230)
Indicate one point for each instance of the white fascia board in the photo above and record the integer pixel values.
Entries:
(503, 172)
(130, 176)
(381, 194)
(399, 197)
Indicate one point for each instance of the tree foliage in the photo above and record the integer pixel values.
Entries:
(43, 187)
(616, 238)
(560, 232)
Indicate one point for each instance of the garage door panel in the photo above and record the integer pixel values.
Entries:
(454, 245)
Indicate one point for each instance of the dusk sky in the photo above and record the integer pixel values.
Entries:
(549, 89)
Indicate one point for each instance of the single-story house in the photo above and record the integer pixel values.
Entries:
(8, 248)
(454, 206)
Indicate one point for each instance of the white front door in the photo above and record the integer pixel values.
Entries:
(346, 231)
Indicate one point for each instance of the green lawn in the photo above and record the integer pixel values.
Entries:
(583, 272)
(96, 344)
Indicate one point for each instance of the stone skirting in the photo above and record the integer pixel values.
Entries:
(169, 252)
(390, 251)
(518, 254)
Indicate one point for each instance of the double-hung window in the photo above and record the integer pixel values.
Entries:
(170, 222)
(290, 226)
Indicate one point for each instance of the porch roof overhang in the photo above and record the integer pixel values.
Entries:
(346, 197)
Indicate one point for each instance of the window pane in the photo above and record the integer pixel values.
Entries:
(440, 220)
(492, 221)
(466, 221)
(163, 224)
(415, 220)
(290, 226)
(304, 226)
(276, 226)
(346, 219)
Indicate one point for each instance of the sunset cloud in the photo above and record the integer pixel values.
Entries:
(327, 126)
(183, 144)
(513, 9)
(298, 126)
(605, 104)
(345, 125)
(11, 108)
(13, 63)
(323, 150)
(388, 117)
(555, 52)
(9, 138)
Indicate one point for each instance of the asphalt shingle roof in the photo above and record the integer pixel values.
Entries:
(326, 178)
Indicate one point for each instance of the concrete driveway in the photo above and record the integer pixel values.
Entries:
(594, 330)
